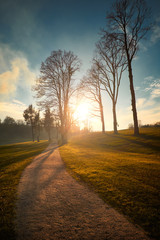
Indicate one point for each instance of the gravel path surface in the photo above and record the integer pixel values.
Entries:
(52, 205)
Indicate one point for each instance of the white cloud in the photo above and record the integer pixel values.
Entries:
(156, 83)
(18, 102)
(153, 86)
(149, 116)
(155, 93)
(140, 102)
(13, 109)
(149, 78)
(148, 113)
(9, 79)
(14, 70)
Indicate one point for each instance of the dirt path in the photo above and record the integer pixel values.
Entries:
(52, 205)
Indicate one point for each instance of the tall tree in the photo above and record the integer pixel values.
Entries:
(129, 23)
(110, 64)
(29, 117)
(9, 121)
(48, 122)
(37, 125)
(54, 87)
(92, 85)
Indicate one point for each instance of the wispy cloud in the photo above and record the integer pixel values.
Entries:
(156, 34)
(149, 116)
(155, 93)
(147, 110)
(147, 106)
(152, 86)
(148, 78)
(13, 109)
(156, 31)
(15, 101)
(14, 70)
(9, 79)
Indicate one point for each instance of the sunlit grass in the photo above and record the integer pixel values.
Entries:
(13, 159)
(124, 170)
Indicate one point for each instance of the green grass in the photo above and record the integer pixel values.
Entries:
(123, 169)
(13, 159)
(6, 141)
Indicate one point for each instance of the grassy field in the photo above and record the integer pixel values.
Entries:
(8, 140)
(124, 170)
(13, 159)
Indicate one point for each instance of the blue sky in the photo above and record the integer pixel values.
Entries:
(30, 30)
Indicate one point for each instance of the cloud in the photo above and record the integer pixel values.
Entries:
(155, 93)
(149, 116)
(147, 111)
(9, 79)
(153, 86)
(13, 109)
(155, 89)
(14, 71)
(15, 101)
(149, 78)
(156, 34)
(140, 102)
(155, 37)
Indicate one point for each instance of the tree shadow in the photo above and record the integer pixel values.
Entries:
(140, 142)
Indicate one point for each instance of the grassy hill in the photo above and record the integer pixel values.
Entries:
(13, 159)
(123, 169)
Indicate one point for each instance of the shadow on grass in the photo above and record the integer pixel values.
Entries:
(144, 144)
(129, 143)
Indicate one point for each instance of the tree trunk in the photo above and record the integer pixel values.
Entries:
(114, 118)
(102, 118)
(64, 135)
(38, 132)
(32, 133)
(101, 110)
(49, 134)
(133, 100)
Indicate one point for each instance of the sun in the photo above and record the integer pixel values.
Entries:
(81, 113)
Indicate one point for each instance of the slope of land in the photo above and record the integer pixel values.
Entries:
(123, 169)
(52, 205)
(13, 159)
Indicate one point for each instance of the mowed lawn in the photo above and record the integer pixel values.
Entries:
(13, 159)
(123, 169)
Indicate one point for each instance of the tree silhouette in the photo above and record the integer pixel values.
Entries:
(54, 87)
(129, 23)
(91, 84)
(110, 63)
(48, 122)
(9, 121)
(30, 117)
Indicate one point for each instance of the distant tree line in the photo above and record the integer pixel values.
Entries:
(10, 128)
(33, 128)
(157, 124)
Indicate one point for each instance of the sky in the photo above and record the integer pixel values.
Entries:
(30, 30)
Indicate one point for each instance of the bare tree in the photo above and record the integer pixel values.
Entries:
(92, 85)
(54, 87)
(129, 23)
(111, 64)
